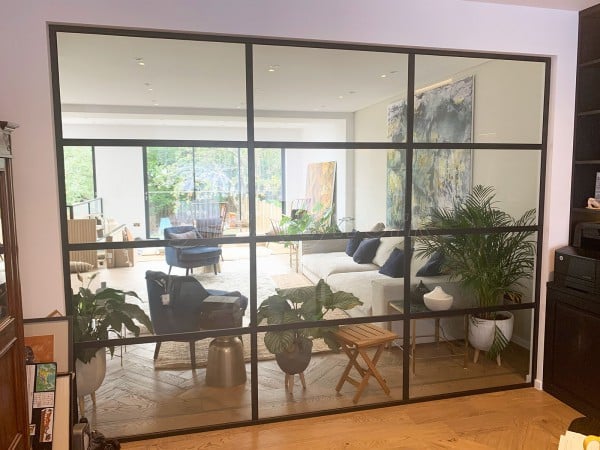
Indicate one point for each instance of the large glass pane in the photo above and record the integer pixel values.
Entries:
(311, 94)
(133, 87)
(337, 190)
(465, 100)
(319, 384)
(79, 180)
(441, 365)
(201, 187)
(217, 390)
(472, 270)
(442, 177)
(269, 179)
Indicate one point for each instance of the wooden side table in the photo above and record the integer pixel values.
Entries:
(397, 306)
(355, 340)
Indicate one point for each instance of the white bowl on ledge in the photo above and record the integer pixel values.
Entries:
(438, 300)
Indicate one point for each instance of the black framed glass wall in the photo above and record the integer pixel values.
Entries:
(314, 148)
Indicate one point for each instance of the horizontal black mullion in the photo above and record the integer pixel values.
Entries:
(150, 338)
(215, 37)
(454, 231)
(470, 311)
(476, 146)
(329, 144)
(109, 142)
(104, 142)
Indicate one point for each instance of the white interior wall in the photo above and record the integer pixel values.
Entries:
(25, 87)
(120, 184)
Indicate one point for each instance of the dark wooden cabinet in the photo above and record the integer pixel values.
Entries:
(13, 398)
(586, 151)
(571, 356)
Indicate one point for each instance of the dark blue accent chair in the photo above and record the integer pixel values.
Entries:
(189, 255)
(182, 314)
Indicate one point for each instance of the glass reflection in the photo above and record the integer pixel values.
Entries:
(461, 100)
(323, 385)
(326, 95)
(163, 88)
(444, 177)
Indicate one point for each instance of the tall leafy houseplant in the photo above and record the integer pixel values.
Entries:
(309, 304)
(96, 314)
(492, 265)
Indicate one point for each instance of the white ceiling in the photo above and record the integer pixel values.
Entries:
(569, 5)
(99, 73)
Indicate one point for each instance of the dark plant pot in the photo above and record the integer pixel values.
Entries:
(296, 360)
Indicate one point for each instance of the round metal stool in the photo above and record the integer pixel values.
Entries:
(225, 366)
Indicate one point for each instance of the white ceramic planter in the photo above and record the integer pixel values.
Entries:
(91, 375)
(481, 331)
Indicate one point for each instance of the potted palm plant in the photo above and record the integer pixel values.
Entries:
(492, 265)
(96, 314)
(292, 348)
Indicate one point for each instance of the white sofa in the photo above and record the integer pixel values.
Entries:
(327, 259)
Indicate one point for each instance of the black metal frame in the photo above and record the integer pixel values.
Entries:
(409, 146)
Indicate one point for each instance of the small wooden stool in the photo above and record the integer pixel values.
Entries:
(355, 340)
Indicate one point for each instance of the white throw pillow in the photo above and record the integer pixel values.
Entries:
(386, 246)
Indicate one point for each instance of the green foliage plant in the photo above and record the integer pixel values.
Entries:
(492, 265)
(303, 304)
(96, 314)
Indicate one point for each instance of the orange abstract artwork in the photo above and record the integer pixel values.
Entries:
(42, 346)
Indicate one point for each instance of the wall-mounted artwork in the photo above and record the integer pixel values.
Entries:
(442, 114)
(320, 185)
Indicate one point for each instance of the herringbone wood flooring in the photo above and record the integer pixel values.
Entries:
(136, 399)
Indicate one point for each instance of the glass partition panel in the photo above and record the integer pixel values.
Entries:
(446, 363)
(206, 188)
(319, 383)
(465, 100)
(136, 87)
(329, 191)
(442, 177)
(328, 95)
(477, 270)
(142, 395)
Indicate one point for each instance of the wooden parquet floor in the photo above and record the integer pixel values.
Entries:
(135, 399)
(520, 419)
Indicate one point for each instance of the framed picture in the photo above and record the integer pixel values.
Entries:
(49, 340)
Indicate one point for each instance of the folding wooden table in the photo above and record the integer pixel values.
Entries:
(356, 340)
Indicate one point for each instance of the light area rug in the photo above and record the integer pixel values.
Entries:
(176, 355)
(291, 280)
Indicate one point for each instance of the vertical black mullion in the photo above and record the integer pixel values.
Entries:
(60, 164)
(252, 224)
(539, 237)
(410, 112)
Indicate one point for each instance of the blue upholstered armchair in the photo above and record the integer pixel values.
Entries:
(186, 254)
(184, 310)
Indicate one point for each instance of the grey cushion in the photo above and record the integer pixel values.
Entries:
(187, 235)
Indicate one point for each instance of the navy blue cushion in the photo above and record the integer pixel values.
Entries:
(366, 251)
(433, 267)
(394, 266)
(353, 243)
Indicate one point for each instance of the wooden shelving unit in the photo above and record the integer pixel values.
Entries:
(586, 151)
